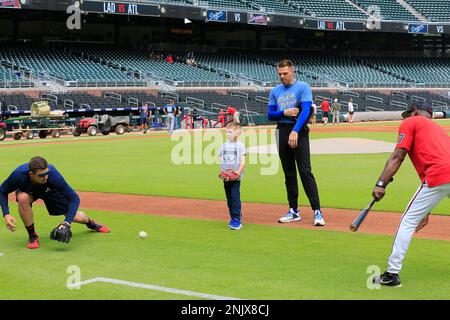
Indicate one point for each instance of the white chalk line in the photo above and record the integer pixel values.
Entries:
(1, 254)
(151, 287)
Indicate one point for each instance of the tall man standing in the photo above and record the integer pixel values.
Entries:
(290, 105)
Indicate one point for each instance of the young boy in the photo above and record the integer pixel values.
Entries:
(232, 157)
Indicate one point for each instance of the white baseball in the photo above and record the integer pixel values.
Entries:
(143, 235)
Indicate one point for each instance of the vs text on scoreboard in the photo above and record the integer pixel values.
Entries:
(110, 7)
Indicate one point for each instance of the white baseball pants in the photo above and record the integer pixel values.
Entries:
(423, 201)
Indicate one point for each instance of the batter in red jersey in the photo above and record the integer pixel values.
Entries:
(428, 147)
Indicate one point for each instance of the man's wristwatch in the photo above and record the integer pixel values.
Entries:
(381, 184)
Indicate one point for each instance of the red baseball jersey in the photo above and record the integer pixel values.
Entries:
(428, 146)
(231, 110)
(325, 106)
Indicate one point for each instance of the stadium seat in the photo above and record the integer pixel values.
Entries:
(389, 9)
(434, 10)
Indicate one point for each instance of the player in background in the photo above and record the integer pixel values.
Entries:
(325, 106)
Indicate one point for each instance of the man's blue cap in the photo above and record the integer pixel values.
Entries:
(420, 105)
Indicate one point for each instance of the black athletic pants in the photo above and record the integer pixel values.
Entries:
(301, 156)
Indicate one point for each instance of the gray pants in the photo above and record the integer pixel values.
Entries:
(336, 115)
(170, 122)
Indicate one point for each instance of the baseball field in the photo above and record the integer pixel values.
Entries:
(168, 187)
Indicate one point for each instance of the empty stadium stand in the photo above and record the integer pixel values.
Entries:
(15, 102)
(430, 72)
(389, 9)
(13, 79)
(113, 67)
(63, 67)
(332, 9)
(176, 73)
(434, 10)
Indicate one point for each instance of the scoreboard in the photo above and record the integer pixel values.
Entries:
(133, 9)
(204, 13)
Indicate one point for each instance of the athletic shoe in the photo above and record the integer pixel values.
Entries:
(389, 279)
(103, 229)
(235, 224)
(33, 242)
(291, 216)
(318, 218)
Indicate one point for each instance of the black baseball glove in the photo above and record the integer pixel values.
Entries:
(61, 233)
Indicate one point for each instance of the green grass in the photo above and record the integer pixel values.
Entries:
(144, 166)
(207, 257)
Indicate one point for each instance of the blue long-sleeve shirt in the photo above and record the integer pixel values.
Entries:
(297, 95)
(19, 180)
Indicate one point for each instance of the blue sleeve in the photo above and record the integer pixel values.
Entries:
(6, 188)
(70, 194)
(304, 115)
(306, 99)
(272, 113)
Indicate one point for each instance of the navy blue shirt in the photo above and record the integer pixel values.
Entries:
(20, 180)
(143, 111)
(170, 108)
(297, 95)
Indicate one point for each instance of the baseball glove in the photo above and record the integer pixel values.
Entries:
(61, 233)
(229, 175)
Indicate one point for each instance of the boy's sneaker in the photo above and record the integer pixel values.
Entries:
(291, 216)
(235, 224)
(389, 279)
(318, 218)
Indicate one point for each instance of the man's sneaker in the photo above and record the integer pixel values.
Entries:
(389, 279)
(235, 224)
(318, 218)
(33, 242)
(103, 229)
(291, 216)
(98, 227)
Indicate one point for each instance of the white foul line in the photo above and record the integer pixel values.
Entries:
(1, 254)
(152, 287)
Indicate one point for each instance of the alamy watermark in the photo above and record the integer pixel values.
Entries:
(373, 281)
(201, 147)
(74, 20)
(74, 279)
(374, 20)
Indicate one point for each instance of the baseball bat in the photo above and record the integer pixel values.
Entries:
(360, 218)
